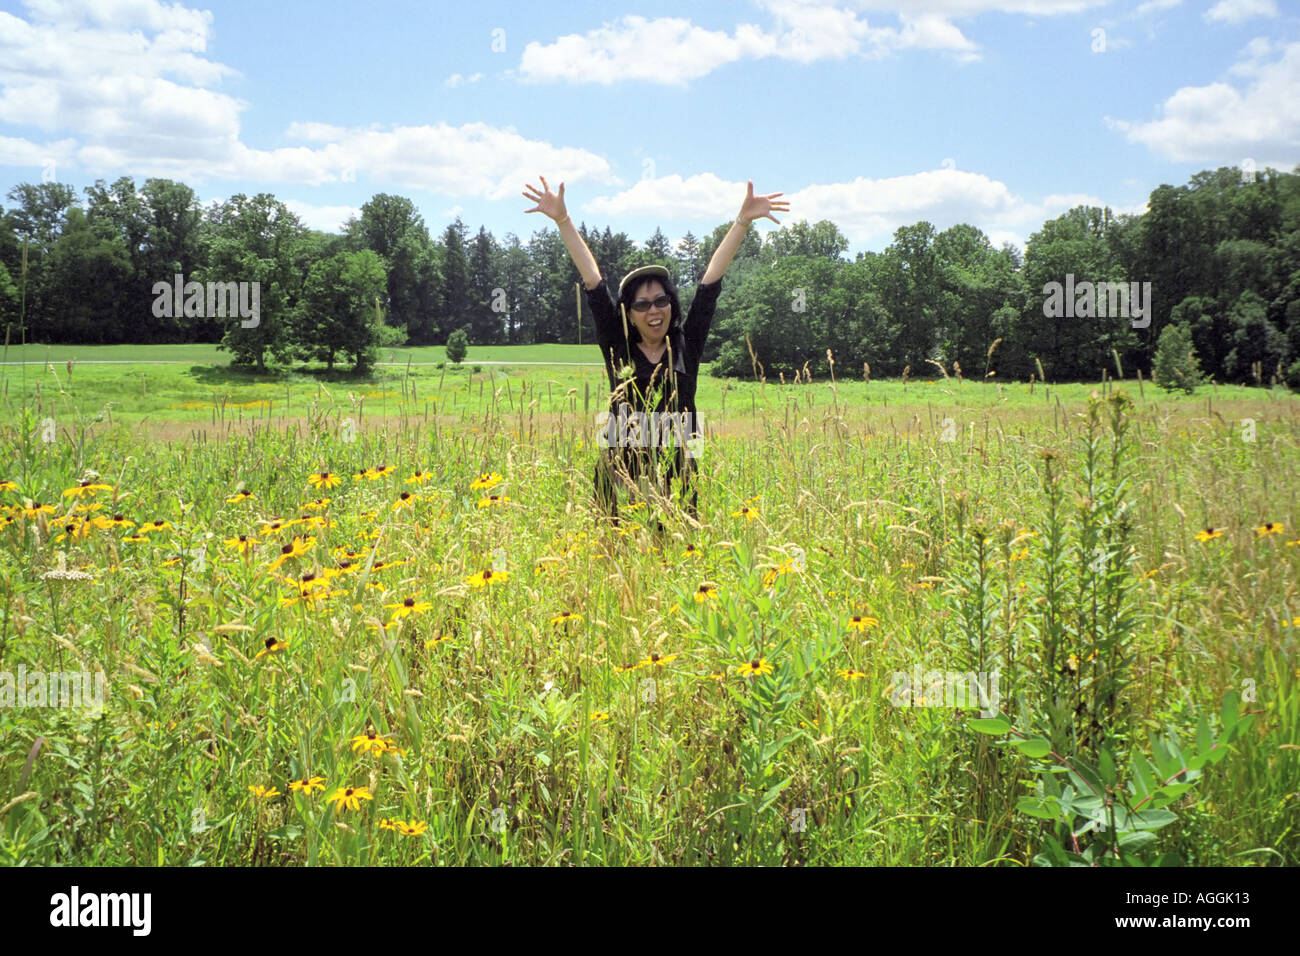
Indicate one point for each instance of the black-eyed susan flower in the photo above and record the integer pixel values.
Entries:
(493, 501)
(405, 500)
(324, 479)
(598, 716)
(103, 522)
(36, 508)
(156, 525)
(487, 577)
(307, 785)
(435, 641)
(1268, 527)
(382, 471)
(319, 504)
(263, 793)
(745, 512)
(349, 798)
(486, 481)
(862, 622)
(704, 593)
(370, 743)
(754, 668)
(242, 495)
(566, 617)
(625, 668)
(408, 827)
(241, 543)
(848, 673)
(273, 645)
(7, 485)
(408, 607)
(294, 549)
(85, 488)
(659, 660)
(418, 478)
(1208, 534)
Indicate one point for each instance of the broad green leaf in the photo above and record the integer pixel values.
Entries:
(1036, 747)
(1151, 819)
(989, 725)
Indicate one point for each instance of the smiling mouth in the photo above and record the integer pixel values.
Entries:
(654, 323)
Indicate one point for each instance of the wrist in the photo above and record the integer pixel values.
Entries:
(742, 221)
(561, 222)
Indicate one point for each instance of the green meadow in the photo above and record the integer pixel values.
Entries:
(377, 621)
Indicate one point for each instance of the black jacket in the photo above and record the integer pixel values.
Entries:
(685, 345)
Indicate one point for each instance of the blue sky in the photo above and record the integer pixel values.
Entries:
(1001, 113)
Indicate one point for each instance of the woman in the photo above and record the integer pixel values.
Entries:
(644, 331)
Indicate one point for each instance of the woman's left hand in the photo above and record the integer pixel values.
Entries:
(759, 207)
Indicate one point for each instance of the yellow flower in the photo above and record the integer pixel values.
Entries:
(849, 673)
(85, 488)
(318, 505)
(409, 606)
(655, 660)
(404, 827)
(437, 640)
(242, 544)
(755, 668)
(1208, 534)
(485, 577)
(273, 646)
(485, 481)
(294, 549)
(156, 525)
(117, 521)
(566, 617)
(263, 793)
(491, 500)
(324, 479)
(370, 743)
(405, 500)
(8, 486)
(599, 715)
(857, 623)
(349, 797)
(307, 785)
(745, 512)
(419, 478)
(238, 496)
(1269, 527)
(704, 592)
(624, 668)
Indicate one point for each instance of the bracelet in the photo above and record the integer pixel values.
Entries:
(742, 222)
(561, 222)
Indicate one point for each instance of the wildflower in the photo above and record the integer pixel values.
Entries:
(566, 617)
(704, 592)
(324, 479)
(755, 668)
(273, 646)
(156, 525)
(1269, 527)
(317, 505)
(437, 640)
(85, 488)
(349, 797)
(370, 743)
(484, 577)
(7, 485)
(117, 521)
(745, 512)
(263, 793)
(294, 549)
(381, 471)
(849, 673)
(36, 508)
(242, 543)
(491, 500)
(242, 495)
(404, 827)
(419, 478)
(1208, 534)
(409, 606)
(307, 785)
(857, 623)
(624, 668)
(405, 500)
(485, 481)
(655, 660)
(599, 715)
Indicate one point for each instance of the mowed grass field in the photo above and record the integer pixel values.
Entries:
(426, 649)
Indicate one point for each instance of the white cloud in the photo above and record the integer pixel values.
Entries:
(1155, 6)
(866, 210)
(130, 77)
(1237, 11)
(1222, 123)
(324, 218)
(457, 79)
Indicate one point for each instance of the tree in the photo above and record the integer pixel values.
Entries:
(339, 309)
(457, 346)
(1175, 364)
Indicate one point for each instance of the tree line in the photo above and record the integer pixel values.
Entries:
(1219, 257)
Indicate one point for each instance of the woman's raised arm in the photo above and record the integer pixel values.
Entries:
(754, 207)
(552, 205)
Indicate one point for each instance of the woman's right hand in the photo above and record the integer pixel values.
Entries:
(549, 203)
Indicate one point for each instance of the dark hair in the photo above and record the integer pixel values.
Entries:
(629, 296)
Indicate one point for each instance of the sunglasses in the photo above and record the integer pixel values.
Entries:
(643, 305)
